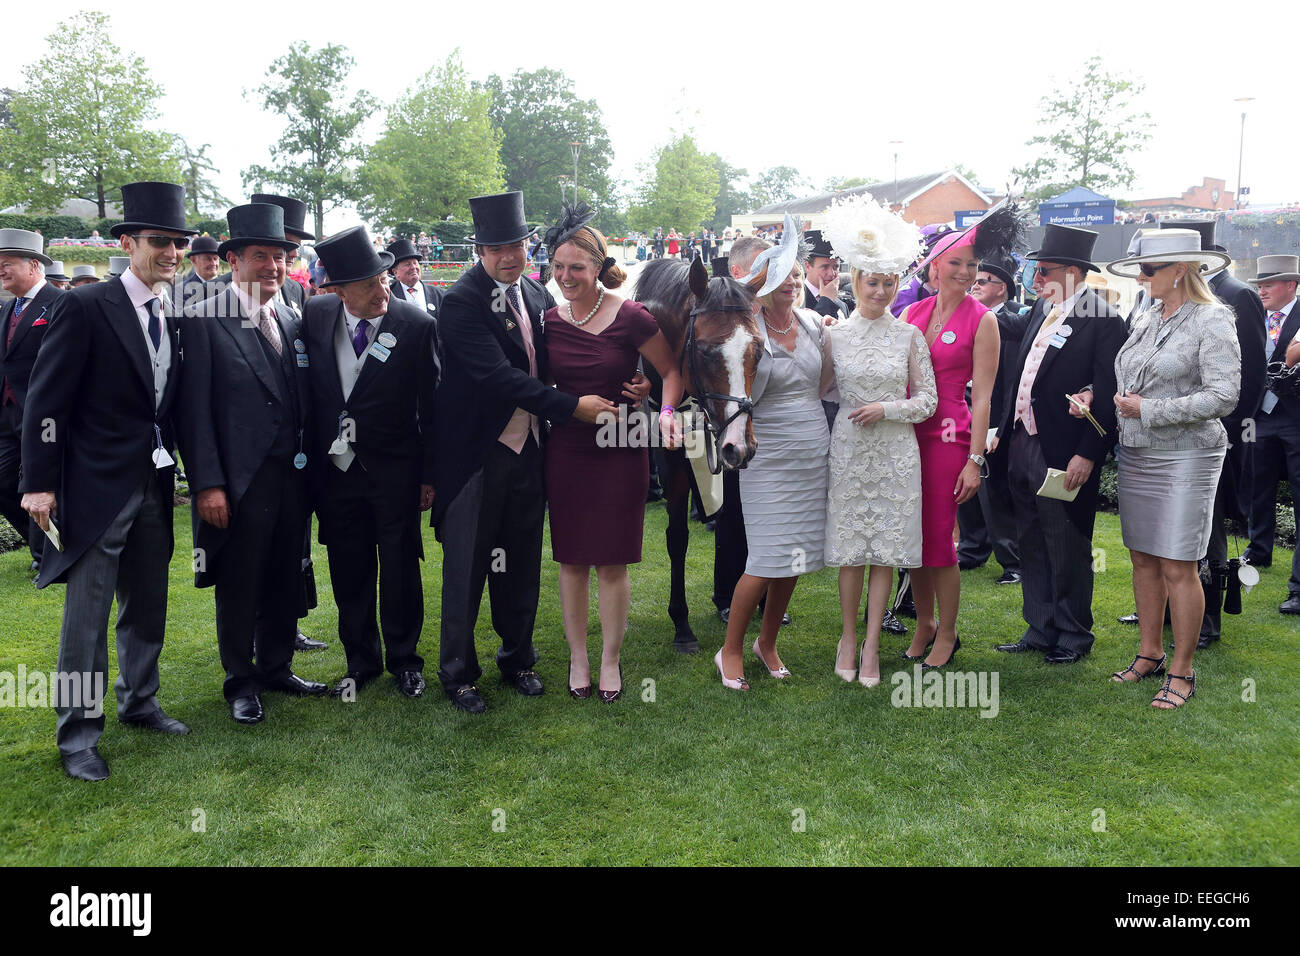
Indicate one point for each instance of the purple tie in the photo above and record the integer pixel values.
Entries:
(362, 338)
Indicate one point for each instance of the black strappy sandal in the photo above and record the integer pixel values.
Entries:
(1167, 689)
(1119, 678)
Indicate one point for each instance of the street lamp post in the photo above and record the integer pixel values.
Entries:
(577, 147)
(894, 199)
(1241, 144)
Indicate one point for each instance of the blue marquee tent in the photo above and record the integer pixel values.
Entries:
(1077, 207)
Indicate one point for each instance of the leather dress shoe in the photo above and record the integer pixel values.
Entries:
(411, 683)
(468, 699)
(352, 682)
(158, 721)
(969, 564)
(247, 710)
(1291, 605)
(1019, 647)
(892, 624)
(304, 643)
(1009, 576)
(1255, 561)
(1060, 655)
(1128, 618)
(86, 765)
(293, 684)
(1205, 640)
(526, 682)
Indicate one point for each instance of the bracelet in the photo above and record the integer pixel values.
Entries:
(667, 410)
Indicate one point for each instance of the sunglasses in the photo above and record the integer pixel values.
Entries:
(162, 242)
(1149, 269)
(988, 281)
(1047, 270)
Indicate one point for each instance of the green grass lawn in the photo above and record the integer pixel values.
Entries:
(809, 770)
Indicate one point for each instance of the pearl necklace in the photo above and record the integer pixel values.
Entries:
(774, 328)
(600, 297)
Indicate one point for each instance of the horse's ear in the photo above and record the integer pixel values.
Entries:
(699, 279)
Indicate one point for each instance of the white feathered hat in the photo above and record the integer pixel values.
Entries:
(869, 237)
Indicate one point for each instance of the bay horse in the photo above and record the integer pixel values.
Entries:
(710, 327)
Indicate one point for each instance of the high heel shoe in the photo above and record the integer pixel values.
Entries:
(1156, 671)
(781, 673)
(738, 683)
(1162, 700)
(928, 644)
(609, 696)
(863, 679)
(578, 693)
(956, 646)
(847, 674)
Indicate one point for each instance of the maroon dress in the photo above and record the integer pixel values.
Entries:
(596, 496)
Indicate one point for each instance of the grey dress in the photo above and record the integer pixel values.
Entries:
(783, 489)
(1188, 371)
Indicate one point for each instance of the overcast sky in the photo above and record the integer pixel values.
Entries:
(823, 88)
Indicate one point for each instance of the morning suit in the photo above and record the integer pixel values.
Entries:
(367, 497)
(432, 296)
(242, 413)
(19, 342)
(489, 499)
(96, 416)
(1056, 537)
(190, 289)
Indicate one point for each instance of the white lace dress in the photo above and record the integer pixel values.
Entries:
(874, 510)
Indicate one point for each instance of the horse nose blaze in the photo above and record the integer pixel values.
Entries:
(733, 361)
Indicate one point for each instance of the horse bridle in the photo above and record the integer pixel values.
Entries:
(744, 404)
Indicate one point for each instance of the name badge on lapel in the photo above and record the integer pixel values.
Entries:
(1057, 340)
(379, 352)
(300, 348)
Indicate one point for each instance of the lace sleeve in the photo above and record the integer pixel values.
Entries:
(923, 398)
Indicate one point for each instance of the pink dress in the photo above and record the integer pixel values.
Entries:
(944, 438)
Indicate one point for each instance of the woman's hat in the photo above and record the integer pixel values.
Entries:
(403, 249)
(350, 256)
(87, 273)
(200, 246)
(152, 206)
(1167, 245)
(1068, 245)
(256, 224)
(55, 271)
(20, 242)
(499, 219)
(1276, 269)
(869, 237)
(295, 213)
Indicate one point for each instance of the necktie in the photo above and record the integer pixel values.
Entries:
(19, 305)
(410, 293)
(154, 308)
(362, 338)
(266, 324)
(1275, 326)
(512, 293)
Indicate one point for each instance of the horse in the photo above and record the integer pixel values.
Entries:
(709, 325)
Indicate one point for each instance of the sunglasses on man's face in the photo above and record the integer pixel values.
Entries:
(989, 281)
(162, 242)
(1149, 269)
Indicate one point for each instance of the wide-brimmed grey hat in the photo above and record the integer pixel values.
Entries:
(1276, 269)
(20, 242)
(85, 272)
(55, 271)
(1168, 245)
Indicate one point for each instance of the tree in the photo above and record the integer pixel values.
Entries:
(839, 183)
(1095, 129)
(681, 191)
(196, 176)
(438, 149)
(539, 117)
(79, 124)
(779, 184)
(314, 157)
(732, 198)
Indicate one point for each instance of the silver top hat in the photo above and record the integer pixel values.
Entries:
(55, 271)
(84, 272)
(1274, 269)
(1168, 245)
(20, 242)
(117, 265)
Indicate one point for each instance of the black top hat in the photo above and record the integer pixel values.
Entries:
(1068, 245)
(256, 224)
(499, 219)
(722, 267)
(820, 246)
(350, 256)
(403, 249)
(1004, 269)
(152, 206)
(295, 213)
(1204, 226)
(201, 245)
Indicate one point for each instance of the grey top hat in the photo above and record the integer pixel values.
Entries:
(55, 271)
(1168, 245)
(84, 272)
(1276, 269)
(117, 265)
(20, 242)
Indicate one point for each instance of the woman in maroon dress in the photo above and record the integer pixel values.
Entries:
(597, 475)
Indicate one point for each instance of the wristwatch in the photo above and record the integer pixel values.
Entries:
(978, 459)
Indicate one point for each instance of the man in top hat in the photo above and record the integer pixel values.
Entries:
(84, 275)
(493, 406)
(55, 276)
(24, 271)
(373, 367)
(1277, 433)
(97, 465)
(243, 412)
(821, 281)
(987, 521)
(407, 284)
(199, 283)
(1069, 347)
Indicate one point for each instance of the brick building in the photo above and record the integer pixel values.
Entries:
(1210, 196)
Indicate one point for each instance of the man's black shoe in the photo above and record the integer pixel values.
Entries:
(1059, 655)
(247, 710)
(526, 682)
(1019, 647)
(1204, 641)
(86, 765)
(1256, 560)
(468, 700)
(1009, 576)
(411, 683)
(969, 564)
(892, 624)
(1291, 605)
(293, 684)
(158, 721)
(304, 643)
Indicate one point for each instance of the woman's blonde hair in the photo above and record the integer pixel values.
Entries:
(1197, 288)
(856, 275)
(757, 282)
